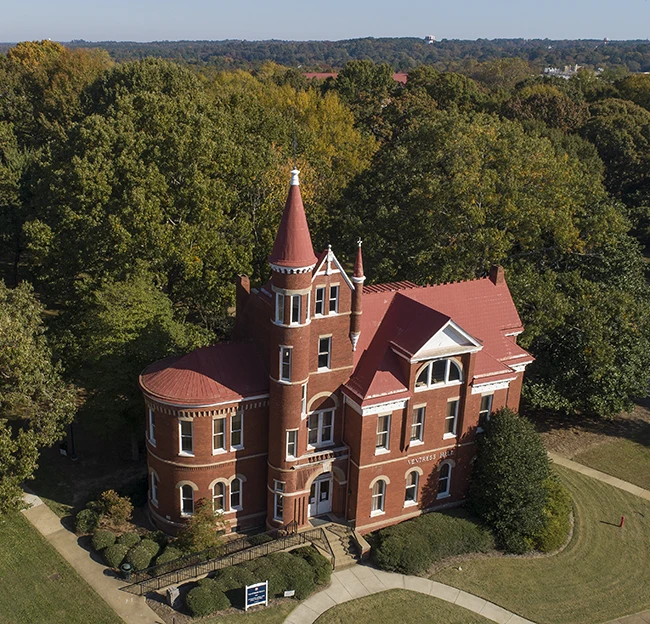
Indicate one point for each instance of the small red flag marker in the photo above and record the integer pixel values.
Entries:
(622, 521)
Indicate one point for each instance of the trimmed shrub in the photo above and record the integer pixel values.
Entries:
(162, 539)
(557, 512)
(263, 569)
(507, 486)
(401, 548)
(319, 564)
(102, 539)
(204, 600)
(86, 521)
(150, 546)
(114, 555)
(169, 554)
(259, 539)
(296, 572)
(129, 539)
(139, 557)
(232, 581)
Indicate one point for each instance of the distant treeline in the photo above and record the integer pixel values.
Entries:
(402, 53)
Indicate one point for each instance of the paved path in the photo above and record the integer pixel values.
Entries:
(601, 476)
(132, 609)
(361, 580)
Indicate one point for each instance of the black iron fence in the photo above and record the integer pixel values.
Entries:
(232, 553)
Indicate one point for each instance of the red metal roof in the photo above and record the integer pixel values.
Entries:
(293, 247)
(222, 373)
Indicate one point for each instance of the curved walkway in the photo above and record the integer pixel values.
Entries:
(361, 580)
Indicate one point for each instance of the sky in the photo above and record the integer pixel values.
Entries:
(155, 20)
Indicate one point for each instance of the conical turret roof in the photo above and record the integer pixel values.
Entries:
(293, 247)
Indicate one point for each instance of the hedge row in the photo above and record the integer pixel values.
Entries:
(413, 546)
(300, 570)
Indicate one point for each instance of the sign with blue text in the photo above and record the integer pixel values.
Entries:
(257, 594)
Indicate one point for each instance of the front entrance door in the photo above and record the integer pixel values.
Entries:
(320, 496)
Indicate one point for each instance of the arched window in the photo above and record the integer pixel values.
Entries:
(219, 497)
(444, 480)
(187, 500)
(154, 489)
(378, 497)
(235, 494)
(411, 496)
(438, 372)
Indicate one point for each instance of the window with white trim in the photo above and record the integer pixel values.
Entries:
(279, 307)
(324, 351)
(444, 480)
(285, 363)
(219, 497)
(237, 431)
(383, 433)
(485, 410)
(439, 373)
(152, 427)
(303, 398)
(451, 418)
(154, 489)
(320, 302)
(278, 500)
(321, 428)
(378, 497)
(296, 303)
(235, 494)
(292, 444)
(411, 495)
(417, 425)
(187, 500)
(218, 435)
(334, 299)
(186, 437)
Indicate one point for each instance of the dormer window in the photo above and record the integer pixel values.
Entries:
(438, 373)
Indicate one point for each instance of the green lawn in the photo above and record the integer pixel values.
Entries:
(602, 574)
(620, 458)
(37, 586)
(271, 615)
(399, 605)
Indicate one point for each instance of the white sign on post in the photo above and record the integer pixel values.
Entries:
(257, 594)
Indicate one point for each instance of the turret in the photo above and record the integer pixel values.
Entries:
(358, 278)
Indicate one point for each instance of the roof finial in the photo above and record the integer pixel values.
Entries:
(359, 241)
(294, 177)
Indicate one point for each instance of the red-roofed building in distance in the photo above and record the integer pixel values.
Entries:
(364, 402)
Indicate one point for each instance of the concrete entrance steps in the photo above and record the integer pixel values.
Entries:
(343, 545)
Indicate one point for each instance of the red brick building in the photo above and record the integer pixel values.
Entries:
(364, 402)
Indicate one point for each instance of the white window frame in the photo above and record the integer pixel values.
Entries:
(446, 381)
(336, 289)
(154, 489)
(152, 427)
(222, 448)
(184, 498)
(303, 399)
(378, 498)
(414, 487)
(319, 303)
(295, 299)
(278, 500)
(447, 492)
(292, 443)
(237, 447)
(484, 412)
(385, 433)
(320, 415)
(328, 352)
(240, 506)
(279, 307)
(182, 436)
(454, 419)
(417, 424)
(222, 487)
(285, 365)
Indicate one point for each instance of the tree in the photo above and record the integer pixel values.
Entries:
(635, 87)
(203, 529)
(448, 89)
(35, 404)
(507, 485)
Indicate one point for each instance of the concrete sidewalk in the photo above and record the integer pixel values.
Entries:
(132, 609)
(361, 580)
